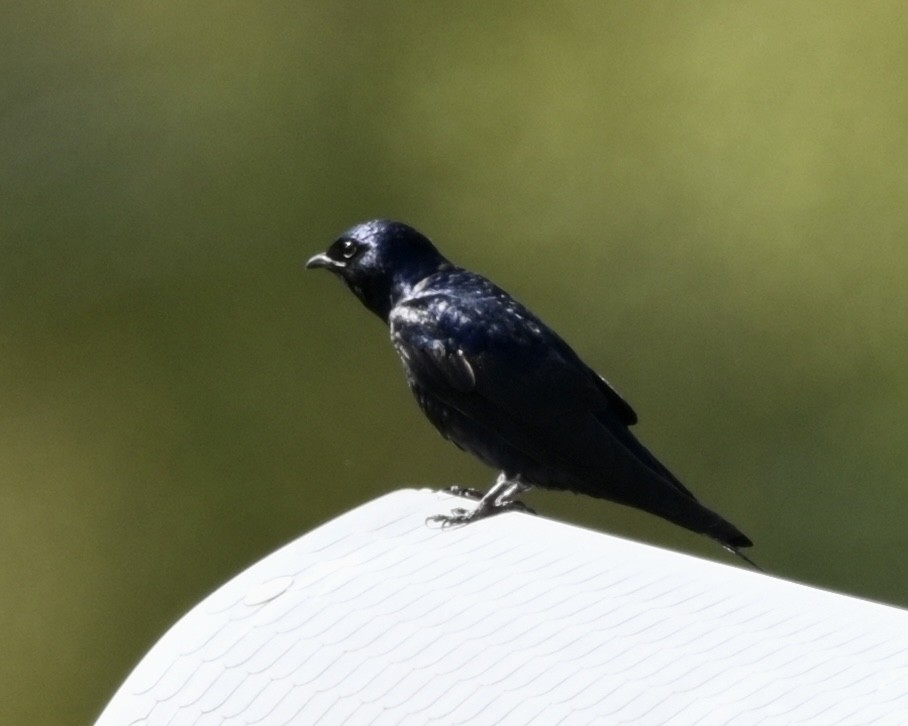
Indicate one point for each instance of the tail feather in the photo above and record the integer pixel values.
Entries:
(739, 553)
(732, 539)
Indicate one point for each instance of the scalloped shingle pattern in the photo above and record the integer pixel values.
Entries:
(376, 618)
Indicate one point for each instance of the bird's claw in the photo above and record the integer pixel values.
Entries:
(458, 517)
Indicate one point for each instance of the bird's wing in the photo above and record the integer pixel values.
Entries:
(498, 351)
(513, 377)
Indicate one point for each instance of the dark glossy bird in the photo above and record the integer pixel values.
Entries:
(502, 385)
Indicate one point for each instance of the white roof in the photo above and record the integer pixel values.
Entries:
(377, 618)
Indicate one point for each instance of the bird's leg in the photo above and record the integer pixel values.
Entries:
(492, 500)
(500, 498)
(508, 499)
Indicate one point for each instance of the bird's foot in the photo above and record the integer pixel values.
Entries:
(459, 516)
(500, 498)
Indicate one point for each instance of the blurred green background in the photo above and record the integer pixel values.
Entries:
(709, 200)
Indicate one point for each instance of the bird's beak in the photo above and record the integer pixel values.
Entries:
(322, 260)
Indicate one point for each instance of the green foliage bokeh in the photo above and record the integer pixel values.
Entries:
(709, 200)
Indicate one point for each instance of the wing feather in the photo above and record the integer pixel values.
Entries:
(526, 387)
(529, 370)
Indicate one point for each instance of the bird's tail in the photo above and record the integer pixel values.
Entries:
(683, 509)
(640, 480)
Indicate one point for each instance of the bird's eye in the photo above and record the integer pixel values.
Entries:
(348, 249)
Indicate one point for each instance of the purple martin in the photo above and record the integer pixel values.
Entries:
(501, 384)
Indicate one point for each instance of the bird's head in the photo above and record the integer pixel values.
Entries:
(380, 261)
